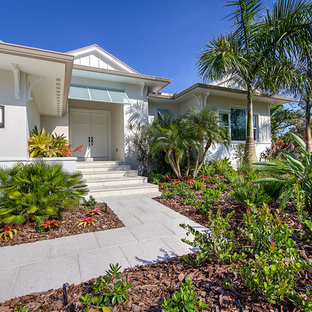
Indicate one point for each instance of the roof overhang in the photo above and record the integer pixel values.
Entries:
(153, 83)
(48, 75)
(218, 91)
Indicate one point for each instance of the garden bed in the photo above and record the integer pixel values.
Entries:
(106, 220)
(153, 283)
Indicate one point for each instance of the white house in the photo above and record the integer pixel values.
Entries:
(91, 97)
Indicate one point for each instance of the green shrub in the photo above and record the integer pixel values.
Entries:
(215, 193)
(91, 202)
(247, 192)
(273, 274)
(222, 166)
(207, 169)
(218, 243)
(110, 290)
(35, 192)
(291, 170)
(183, 301)
(261, 228)
(222, 187)
(198, 185)
(156, 177)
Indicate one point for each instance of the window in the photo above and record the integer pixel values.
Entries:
(164, 112)
(1, 116)
(236, 123)
(255, 127)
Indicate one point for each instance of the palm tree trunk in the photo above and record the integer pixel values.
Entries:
(177, 161)
(196, 163)
(173, 165)
(188, 162)
(308, 135)
(208, 144)
(250, 155)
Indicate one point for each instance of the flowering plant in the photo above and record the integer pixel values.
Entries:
(49, 224)
(8, 231)
(95, 212)
(67, 150)
(87, 221)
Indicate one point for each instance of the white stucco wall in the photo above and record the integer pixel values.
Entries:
(55, 124)
(13, 137)
(33, 116)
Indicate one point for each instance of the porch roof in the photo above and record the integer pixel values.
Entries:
(89, 93)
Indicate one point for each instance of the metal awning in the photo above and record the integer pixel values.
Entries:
(88, 93)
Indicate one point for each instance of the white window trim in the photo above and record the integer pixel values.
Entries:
(228, 112)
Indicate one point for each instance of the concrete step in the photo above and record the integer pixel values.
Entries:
(84, 170)
(97, 164)
(90, 176)
(130, 189)
(119, 181)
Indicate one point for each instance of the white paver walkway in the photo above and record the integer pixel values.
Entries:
(151, 234)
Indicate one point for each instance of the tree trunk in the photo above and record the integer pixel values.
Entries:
(308, 135)
(196, 163)
(173, 165)
(177, 161)
(208, 144)
(188, 162)
(250, 155)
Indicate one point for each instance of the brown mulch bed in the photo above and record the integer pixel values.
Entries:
(153, 283)
(68, 226)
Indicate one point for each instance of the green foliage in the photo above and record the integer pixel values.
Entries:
(37, 191)
(218, 243)
(43, 144)
(273, 273)
(156, 177)
(91, 202)
(215, 193)
(22, 309)
(184, 300)
(110, 290)
(222, 187)
(262, 228)
(222, 166)
(207, 169)
(290, 171)
(214, 180)
(198, 185)
(246, 192)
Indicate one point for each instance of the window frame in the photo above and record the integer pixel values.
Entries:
(2, 120)
(228, 113)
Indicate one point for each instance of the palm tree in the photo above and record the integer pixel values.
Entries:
(257, 50)
(207, 131)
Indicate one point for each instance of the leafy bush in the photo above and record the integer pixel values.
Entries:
(156, 177)
(198, 185)
(91, 202)
(207, 169)
(37, 191)
(291, 170)
(215, 193)
(110, 290)
(43, 144)
(214, 180)
(273, 274)
(183, 301)
(262, 228)
(222, 166)
(218, 243)
(248, 193)
(222, 187)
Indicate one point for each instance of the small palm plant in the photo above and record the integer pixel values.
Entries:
(36, 192)
(290, 171)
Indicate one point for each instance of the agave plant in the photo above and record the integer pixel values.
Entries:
(35, 192)
(291, 170)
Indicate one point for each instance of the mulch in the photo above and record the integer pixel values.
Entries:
(152, 283)
(27, 233)
(218, 285)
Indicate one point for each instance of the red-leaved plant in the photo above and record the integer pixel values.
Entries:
(68, 151)
(50, 224)
(8, 231)
(87, 221)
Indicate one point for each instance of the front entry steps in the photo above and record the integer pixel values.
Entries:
(110, 178)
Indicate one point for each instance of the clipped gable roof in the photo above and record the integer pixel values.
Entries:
(95, 56)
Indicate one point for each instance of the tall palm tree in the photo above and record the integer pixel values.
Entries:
(256, 50)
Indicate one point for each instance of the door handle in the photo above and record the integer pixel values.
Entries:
(91, 141)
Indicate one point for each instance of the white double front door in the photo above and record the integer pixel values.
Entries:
(90, 128)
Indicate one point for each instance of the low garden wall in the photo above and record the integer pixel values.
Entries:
(68, 163)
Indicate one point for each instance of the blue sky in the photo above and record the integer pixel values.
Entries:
(161, 38)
